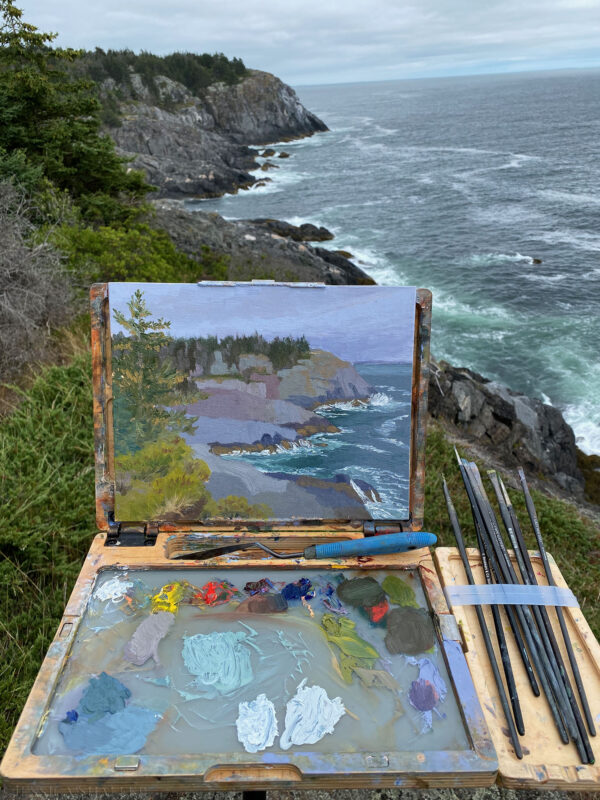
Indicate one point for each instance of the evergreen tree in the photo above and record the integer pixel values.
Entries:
(53, 118)
(144, 384)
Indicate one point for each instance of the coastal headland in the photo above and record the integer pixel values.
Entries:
(202, 147)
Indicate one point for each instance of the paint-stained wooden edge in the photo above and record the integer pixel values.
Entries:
(547, 763)
(103, 432)
(104, 441)
(24, 771)
(420, 387)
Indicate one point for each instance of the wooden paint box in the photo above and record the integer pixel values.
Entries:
(382, 739)
(422, 727)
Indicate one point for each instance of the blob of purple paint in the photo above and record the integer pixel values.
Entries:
(261, 586)
(422, 695)
(298, 589)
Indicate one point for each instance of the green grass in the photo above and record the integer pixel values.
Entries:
(47, 513)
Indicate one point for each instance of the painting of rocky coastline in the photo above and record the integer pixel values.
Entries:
(261, 402)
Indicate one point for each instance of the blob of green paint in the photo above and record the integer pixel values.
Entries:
(399, 592)
(356, 652)
(361, 592)
(409, 631)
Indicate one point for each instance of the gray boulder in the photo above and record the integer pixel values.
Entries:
(518, 429)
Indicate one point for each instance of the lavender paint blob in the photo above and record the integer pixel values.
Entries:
(144, 642)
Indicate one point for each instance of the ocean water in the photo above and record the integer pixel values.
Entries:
(373, 444)
(458, 184)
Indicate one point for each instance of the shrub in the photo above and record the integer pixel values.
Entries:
(135, 253)
(35, 296)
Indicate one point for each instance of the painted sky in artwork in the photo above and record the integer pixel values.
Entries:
(357, 323)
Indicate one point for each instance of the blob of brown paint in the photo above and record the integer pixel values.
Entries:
(409, 631)
(361, 592)
(264, 604)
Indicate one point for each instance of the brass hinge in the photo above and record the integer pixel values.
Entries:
(374, 528)
(128, 534)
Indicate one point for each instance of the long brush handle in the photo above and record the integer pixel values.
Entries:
(373, 545)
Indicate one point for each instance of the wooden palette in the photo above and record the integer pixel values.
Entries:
(398, 754)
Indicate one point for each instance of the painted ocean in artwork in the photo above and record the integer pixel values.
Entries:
(260, 403)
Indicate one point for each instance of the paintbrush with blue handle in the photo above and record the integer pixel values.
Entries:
(369, 546)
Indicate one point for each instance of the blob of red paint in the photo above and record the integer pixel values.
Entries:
(378, 612)
(214, 593)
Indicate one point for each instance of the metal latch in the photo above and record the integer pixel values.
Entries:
(128, 534)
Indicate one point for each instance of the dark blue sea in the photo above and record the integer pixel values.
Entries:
(373, 444)
(458, 184)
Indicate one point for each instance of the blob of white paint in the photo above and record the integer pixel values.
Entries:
(309, 715)
(115, 589)
(256, 724)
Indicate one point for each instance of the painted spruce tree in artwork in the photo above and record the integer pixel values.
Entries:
(233, 402)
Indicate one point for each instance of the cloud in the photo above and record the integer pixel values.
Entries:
(332, 41)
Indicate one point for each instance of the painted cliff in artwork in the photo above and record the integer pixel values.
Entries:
(261, 402)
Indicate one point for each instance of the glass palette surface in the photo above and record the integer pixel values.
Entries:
(412, 709)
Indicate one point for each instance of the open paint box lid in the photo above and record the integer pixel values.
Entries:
(261, 403)
(289, 414)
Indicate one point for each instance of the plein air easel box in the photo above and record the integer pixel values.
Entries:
(289, 414)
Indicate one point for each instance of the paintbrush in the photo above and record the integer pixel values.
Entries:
(482, 624)
(553, 687)
(559, 613)
(370, 546)
(540, 613)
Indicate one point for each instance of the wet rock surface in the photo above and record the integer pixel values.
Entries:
(520, 430)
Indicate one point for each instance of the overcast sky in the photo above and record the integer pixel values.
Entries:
(333, 41)
(357, 323)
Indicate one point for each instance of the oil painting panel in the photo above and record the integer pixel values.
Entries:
(261, 402)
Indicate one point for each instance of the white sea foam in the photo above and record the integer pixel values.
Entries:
(572, 198)
(364, 498)
(584, 418)
(580, 240)
(451, 305)
(280, 180)
(380, 399)
(489, 259)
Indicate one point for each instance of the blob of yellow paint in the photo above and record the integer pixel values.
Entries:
(169, 597)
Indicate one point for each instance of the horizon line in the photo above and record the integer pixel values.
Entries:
(595, 68)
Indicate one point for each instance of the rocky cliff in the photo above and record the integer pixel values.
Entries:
(197, 146)
(268, 408)
(514, 428)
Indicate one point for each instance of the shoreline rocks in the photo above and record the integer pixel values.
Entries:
(515, 428)
(199, 145)
(252, 250)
